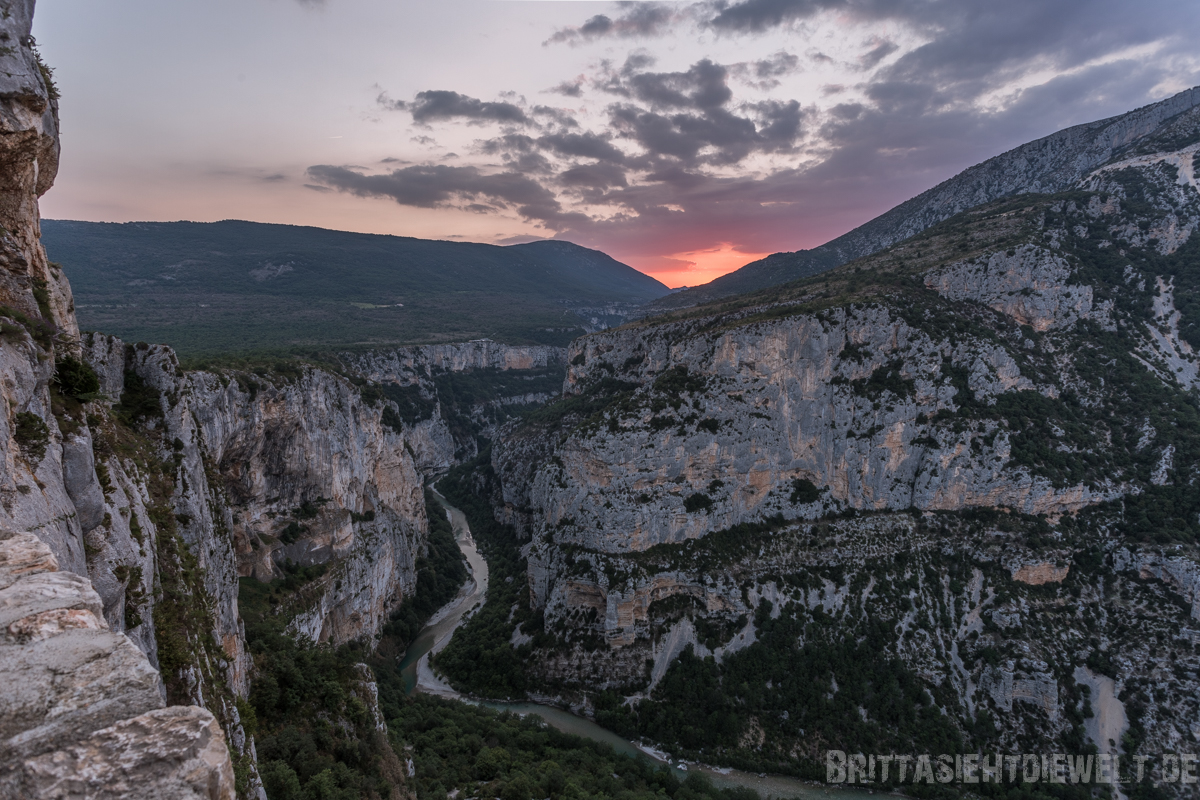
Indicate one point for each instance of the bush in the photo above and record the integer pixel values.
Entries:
(280, 780)
(76, 379)
(697, 502)
(139, 401)
(32, 436)
(804, 491)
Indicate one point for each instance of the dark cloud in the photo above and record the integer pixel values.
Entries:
(440, 105)
(764, 74)
(640, 19)
(440, 186)
(880, 49)
(779, 124)
(688, 115)
(557, 116)
(705, 86)
(594, 176)
(582, 145)
(759, 15)
(781, 63)
(569, 88)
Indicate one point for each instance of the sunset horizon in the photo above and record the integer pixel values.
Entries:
(681, 139)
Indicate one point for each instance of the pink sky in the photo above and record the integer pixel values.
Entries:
(681, 141)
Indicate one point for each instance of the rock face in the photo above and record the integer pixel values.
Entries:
(1052, 164)
(405, 365)
(82, 707)
(151, 492)
(1031, 286)
(833, 454)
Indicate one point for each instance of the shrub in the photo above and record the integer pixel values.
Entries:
(32, 436)
(292, 532)
(697, 502)
(139, 401)
(804, 491)
(76, 379)
(678, 380)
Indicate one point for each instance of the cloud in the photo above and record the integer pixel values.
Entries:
(440, 186)
(689, 115)
(781, 63)
(764, 74)
(555, 115)
(759, 15)
(569, 88)
(704, 86)
(582, 145)
(880, 49)
(444, 105)
(641, 19)
(594, 176)
(680, 160)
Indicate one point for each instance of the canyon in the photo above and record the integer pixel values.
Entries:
(942, 495)
(971, 453)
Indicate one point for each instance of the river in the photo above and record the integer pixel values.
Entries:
(419, 677)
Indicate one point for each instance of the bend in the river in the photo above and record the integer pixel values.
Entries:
(419, 676)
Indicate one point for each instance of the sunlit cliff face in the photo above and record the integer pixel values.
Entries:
(686, 139)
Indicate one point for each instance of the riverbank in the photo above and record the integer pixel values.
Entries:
(420, 677)
(414, 667)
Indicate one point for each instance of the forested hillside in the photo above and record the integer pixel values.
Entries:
(241, 287)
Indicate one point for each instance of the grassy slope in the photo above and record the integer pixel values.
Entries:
(208, 288)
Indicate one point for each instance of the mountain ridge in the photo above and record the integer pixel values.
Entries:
(234, 286)
(1060, 160)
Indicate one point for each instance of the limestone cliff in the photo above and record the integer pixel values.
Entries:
(82, 707)
(833, 453)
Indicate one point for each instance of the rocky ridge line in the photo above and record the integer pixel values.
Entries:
(1051, 164)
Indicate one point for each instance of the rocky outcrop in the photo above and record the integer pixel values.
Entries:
(403, 365)
(765, 405)
(82, 707)
(1038, 687)
(29, 150)
(1040, 574)
(1028, 283)
(176, 752)
(96, 499)
(1180, 573)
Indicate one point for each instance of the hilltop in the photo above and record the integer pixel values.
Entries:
(238, 287)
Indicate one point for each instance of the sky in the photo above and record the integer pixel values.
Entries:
(683, 138)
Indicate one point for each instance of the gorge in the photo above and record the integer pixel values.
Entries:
(940, 498)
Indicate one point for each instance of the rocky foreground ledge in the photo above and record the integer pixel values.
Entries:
(81, 708)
